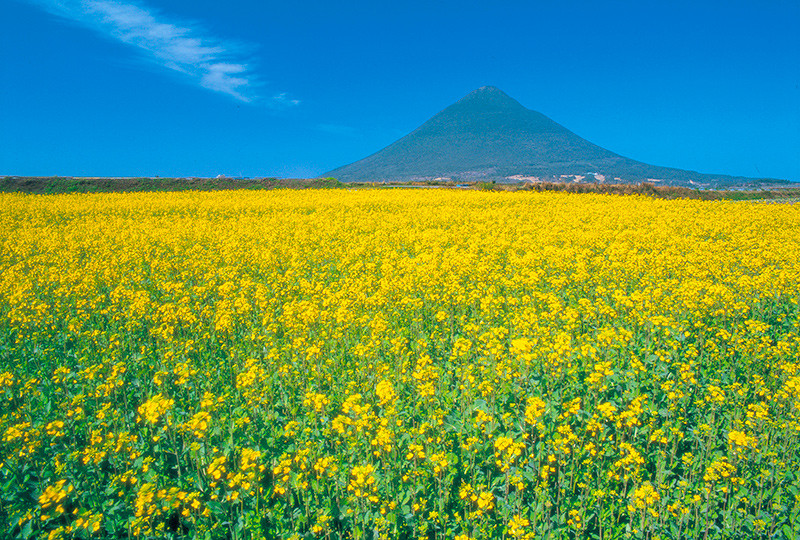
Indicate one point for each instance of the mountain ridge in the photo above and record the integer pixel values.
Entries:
(489, 136)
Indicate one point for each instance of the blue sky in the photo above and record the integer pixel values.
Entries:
(254, 88)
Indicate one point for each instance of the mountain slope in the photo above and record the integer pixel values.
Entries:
(487, 135)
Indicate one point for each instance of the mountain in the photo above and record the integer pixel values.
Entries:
(489, 136)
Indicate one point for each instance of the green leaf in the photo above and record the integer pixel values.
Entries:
(215, 507)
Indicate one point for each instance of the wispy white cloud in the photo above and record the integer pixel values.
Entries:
(283, 99)
(184, 47)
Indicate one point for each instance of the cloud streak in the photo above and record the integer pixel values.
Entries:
(180, 46)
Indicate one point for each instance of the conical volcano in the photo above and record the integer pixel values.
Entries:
(488, 135)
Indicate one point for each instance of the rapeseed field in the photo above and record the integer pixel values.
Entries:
(386, 364)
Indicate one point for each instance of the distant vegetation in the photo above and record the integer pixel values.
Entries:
(668, 192)
(67, 184)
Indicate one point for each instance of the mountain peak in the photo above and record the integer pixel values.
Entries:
(490, 97)
(488, 113)
(490, 135)
(489, 90)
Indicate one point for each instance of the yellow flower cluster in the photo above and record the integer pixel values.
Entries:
(740, 441)
(506, 452)
(362, 482)
(386, 393)
(316, 401)
(645, 497)
(517, 527)
(55, 495)
(534, 411)
(719, 470)
(155, 408)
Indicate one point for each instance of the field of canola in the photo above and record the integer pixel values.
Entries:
(416, 364)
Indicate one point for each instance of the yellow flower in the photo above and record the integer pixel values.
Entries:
(645, 496)
(517, 525)
(155, 408)
(485, 501)
(385, 392)
(534, 411)
(740, 441)
(362, 481)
